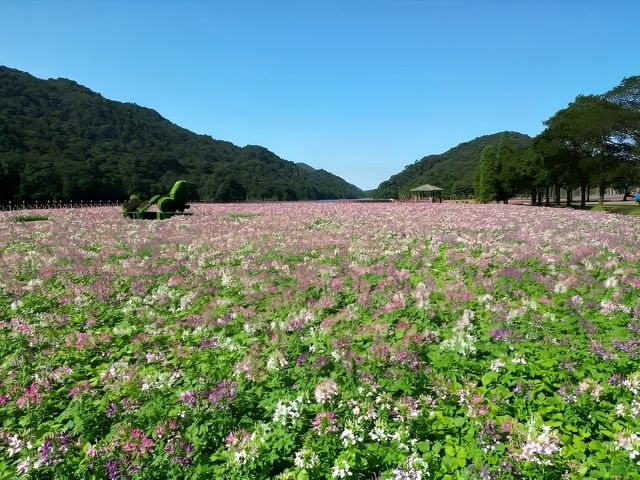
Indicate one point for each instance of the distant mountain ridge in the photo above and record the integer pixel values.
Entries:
(452, 170)
(61, 141)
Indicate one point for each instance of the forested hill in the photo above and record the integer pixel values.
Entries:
(453, 170)
(61, 141)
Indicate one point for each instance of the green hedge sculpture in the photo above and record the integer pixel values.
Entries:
(173, 204)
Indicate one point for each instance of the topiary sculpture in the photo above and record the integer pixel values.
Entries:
(173, 204)
(131, 206)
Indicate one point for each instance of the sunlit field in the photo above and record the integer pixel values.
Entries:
(321, 340)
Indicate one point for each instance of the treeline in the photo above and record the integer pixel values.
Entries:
(592, 143)
(61, 141)
(453, 170)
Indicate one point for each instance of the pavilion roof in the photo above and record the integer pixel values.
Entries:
(426, 188)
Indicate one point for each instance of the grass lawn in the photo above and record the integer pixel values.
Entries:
(624, 208)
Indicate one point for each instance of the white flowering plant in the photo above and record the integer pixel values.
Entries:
(315, 341)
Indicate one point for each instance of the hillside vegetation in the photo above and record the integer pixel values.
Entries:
(592, 143)
(452, 170)
(61, 141)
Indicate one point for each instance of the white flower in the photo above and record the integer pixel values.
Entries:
(305, 459)
(560, 288)
(248, 328)
(276, 361)
(15, 445)
(287, 411)
(462, 343)
(496, 364)
(541, 442)
(350, 437)
(379, 433)
(414, 468)
(23, 466)
(519, 359)
(341, 469)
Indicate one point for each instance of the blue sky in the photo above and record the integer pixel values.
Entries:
(359, 88)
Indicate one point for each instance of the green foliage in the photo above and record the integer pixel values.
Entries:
(61, 141)
(506, 169)
(180, 194)
(454, 170)
(31, 218)
(175, 202)
(153, 200)
(487, 176)
(291, 353)
(132, 205)
(167, 204)
(589, 142)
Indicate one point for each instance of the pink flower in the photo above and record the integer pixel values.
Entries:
(92, 451)
(325, 422)
(325, 390)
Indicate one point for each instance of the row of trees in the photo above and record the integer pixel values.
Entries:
(593, 142)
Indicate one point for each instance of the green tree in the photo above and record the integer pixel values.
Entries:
(230, 190)
(506, 170)
(627, 96)
(532, 176)
(486, 176)
(586, 138)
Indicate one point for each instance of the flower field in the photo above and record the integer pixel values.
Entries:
(321, 340)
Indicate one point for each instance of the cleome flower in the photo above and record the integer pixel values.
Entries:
(629, 442)
(351, 435)
(325, 390)
(287, 411)
(540, 444)
(341, 469)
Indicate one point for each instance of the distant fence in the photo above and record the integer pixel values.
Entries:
(11, 206)
(5, 207)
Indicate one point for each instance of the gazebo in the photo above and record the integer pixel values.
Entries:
(429, 190)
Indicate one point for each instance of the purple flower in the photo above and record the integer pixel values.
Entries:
(223, 394)
(325, 422)
(112, 410)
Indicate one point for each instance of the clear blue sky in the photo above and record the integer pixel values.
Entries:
(359, 88)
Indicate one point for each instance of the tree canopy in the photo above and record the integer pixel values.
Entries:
(592, 142)
(453, 170)
(61, 141)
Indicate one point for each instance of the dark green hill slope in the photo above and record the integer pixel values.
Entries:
(452, 170)
(61, 141)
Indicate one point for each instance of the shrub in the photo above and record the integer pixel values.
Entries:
(31, 218)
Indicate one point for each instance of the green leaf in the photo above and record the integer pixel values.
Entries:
(447, 463)
(460, 462)
(489, 377)
(462, 453)
(618, 469)
(423, 446)
(579, 445)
